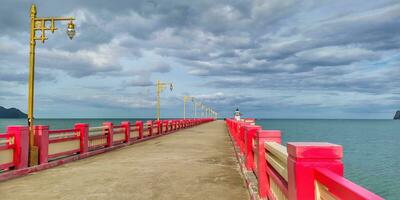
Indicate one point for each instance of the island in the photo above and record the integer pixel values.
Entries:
(397, 115)
(11, 113)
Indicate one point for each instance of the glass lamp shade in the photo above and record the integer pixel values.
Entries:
(71, 30)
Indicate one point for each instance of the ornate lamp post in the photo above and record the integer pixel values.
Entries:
(40, 25)
(160, 87)
(195, 108)
(185, 99)
(199, 105)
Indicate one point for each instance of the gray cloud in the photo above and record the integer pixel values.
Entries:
(160, 67)
(279, 45)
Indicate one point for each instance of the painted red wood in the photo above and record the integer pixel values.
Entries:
(7, 166)
(343, 188)
(241, 137)
(62, 131)
(250, 132)
(109, 128)
(65, 153)
(263, 136)
(42, 142)
(139, 124)
(20, 146)
(280, 182)
(304, 158)
(150, 128)
(83, 130)
(57, 140)
(126, 125)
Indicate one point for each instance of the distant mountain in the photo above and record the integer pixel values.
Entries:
(11, 113)
(397, 115)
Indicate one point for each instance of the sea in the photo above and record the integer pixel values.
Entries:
(371, 147)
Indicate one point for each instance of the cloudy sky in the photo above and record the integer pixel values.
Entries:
(272, 58)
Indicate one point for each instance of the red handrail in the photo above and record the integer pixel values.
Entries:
(63, 131)
(278, 179)
(343, 188)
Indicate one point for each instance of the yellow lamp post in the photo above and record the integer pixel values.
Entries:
(40, 25)
(203, 107)
(194, 105)
(199, 105)
(160, 87)
(195, 108)
(185, 99)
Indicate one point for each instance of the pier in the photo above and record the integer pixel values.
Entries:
(193, 163)
(172, 159)
(297, 170)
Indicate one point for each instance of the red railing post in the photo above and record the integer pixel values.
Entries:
(235, 131)
(263, 136)
(139, 125)
(21, 141)
(41, 133)
(159, 127)
(162, 125)
(166, 126)
(303, 158)
(242, 137)
(150, 127)
(127, 127)
(84, 136)
(250, 132)
(110, 136)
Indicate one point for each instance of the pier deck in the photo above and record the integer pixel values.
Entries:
(195, 163)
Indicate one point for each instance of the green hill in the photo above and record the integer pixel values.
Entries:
(11, 113)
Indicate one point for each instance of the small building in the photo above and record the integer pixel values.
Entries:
(237, 114)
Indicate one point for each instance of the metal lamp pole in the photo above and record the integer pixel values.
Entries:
(160, 87)
(195, 108)
(185, 98)
(39, 24)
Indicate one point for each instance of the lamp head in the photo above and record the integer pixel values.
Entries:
(171, 87)
(71, 30)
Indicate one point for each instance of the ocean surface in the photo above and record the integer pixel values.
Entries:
(371, 147)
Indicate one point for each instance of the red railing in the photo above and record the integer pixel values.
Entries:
(300, 171)
(78, 142)
(98, 137)
(342, 188)
(7, 149)
(63, 143)
(136, 130)
(14, 148)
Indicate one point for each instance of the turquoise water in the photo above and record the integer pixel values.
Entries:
(371, 148)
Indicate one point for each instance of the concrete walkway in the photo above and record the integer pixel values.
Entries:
(196, 163)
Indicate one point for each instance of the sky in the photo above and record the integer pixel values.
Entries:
(271, 58)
